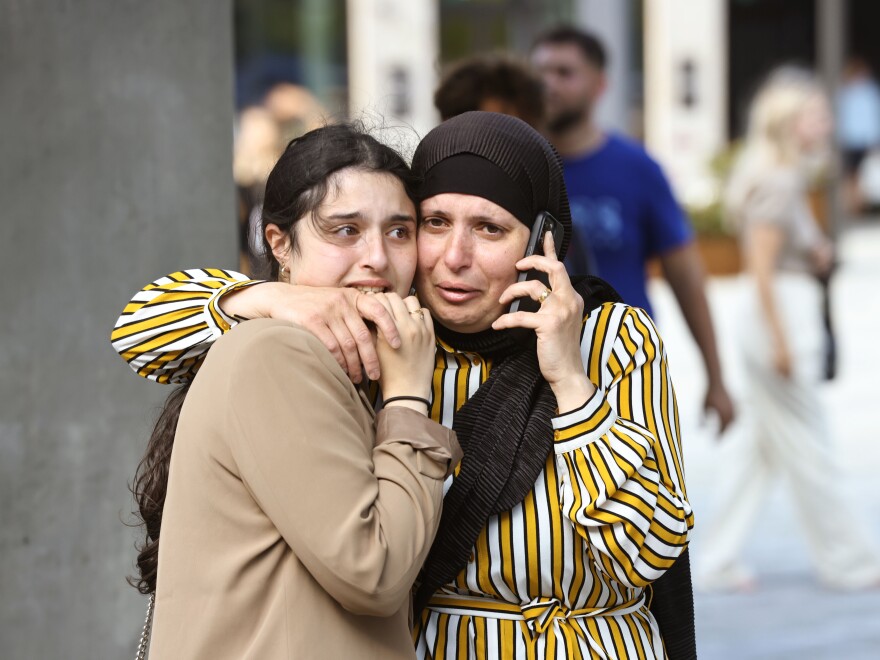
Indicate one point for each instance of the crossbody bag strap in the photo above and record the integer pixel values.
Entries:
(145, 633)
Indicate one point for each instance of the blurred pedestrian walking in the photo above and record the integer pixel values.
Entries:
(858, 131)
(623, 209)
(783, 345)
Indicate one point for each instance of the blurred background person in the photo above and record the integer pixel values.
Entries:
(781, 335)
(296, 110)
(287, 112)
(256, 149)
(494, 83)
(623, 208)
(858, 129)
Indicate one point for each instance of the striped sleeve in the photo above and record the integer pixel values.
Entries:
(619, 454)
(165, 331)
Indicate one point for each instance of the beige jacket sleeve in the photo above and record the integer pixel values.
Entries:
(359, 515)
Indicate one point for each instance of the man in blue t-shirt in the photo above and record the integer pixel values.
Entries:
(622, 207)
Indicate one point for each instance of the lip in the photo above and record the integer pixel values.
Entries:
(454, 292)
(371, 284)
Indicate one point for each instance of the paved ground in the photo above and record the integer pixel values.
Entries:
(790, 616)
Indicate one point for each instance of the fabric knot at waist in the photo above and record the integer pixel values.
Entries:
(538, 614)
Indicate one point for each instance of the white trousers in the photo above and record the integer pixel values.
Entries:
(789, 442)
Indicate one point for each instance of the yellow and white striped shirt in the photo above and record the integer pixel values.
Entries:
(561, 575)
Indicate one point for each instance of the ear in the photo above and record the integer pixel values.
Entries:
(602, 85)
(279, 242)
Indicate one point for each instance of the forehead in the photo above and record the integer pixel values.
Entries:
(456, 204)
(561, 54)
(352, 185)
(816, 101)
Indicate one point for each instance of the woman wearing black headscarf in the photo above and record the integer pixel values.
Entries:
(570, 500)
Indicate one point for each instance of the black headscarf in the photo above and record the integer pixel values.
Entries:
(497, 157)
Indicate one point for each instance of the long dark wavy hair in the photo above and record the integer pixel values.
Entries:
(295, 189)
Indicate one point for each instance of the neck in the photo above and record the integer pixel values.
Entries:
(578, 139)
(492, 344)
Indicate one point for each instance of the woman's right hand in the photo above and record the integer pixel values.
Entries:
(407, 370)
(823, 259)
(782, 361)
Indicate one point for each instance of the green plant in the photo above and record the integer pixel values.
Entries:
(708, 218)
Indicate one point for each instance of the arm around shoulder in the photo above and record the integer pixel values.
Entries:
(168, 326)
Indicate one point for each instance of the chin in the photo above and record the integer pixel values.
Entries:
(462, 323)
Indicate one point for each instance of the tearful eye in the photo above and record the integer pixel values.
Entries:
(432, 222)
(400, 232)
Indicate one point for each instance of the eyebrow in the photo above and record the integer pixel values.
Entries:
(478, 217)
(355, 215)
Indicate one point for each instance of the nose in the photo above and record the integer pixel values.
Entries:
(459, 251)
(545, 73)
(375, 256)
(550, 82)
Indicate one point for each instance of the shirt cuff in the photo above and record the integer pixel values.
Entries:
(219, 321)
(440, 444)
(584, 425)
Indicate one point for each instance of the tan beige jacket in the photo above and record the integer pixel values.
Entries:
(296, 520)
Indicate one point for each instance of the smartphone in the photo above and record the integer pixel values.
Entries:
(543, 223)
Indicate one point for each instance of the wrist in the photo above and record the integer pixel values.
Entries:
(248, 302)
(389, 392)
(416, 403)
(714, 382)
(573, 392)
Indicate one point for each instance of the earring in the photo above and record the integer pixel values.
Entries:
(283, 269)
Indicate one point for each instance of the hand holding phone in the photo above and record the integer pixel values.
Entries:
(543, 223)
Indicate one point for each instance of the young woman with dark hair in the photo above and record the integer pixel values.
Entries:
(292, 518)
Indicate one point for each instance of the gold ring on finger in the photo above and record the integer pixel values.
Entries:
(543, 295)
(419, 312)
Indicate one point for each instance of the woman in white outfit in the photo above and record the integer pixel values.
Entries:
(782, 339)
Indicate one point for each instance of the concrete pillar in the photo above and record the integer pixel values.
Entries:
(611, 21)
(686, 91)
(116, 168)
(393, 49)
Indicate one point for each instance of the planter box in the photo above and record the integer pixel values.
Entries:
(720, 254)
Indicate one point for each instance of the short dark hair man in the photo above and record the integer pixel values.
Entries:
(494, 83)
(622, 205)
